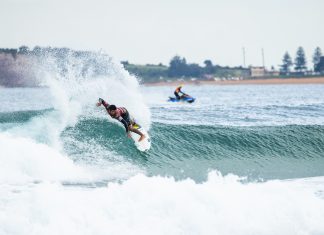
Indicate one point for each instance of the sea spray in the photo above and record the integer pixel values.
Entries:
(75, 84)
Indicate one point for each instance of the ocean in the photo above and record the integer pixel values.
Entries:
(242, 159)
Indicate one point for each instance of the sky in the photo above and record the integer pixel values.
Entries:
(153, 31)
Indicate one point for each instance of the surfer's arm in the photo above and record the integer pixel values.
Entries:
(102, 102)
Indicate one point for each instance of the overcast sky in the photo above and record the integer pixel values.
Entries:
(153, 31)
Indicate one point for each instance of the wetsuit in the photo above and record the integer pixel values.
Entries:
(122, 114)
(177, 91)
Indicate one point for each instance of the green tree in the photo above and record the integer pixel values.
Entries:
(37, 50)
(316, 58)
(209, 68)
(23, 50)
(178, 67)
(320, 66)
(300, 60)
(286, 63)
(13, 52)
(194, 70)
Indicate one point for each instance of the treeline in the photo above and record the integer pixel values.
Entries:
(26, 67)
(179, 68)
(300, 62)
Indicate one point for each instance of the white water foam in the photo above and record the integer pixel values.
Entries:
(75, 96)
(159, 205)
(24, 161)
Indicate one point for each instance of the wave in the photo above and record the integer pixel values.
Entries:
(160, 205)
(215, 141)
(35, 173)
(259, 152)
(181, 150)
(21, 116)
(191, 151)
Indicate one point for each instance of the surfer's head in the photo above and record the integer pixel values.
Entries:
(112, 109)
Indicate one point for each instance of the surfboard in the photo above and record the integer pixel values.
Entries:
(145, 144)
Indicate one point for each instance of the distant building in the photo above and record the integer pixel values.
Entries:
(273, 73)
(257, 72)
(208, 76)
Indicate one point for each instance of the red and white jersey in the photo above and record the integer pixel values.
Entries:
(120, 112)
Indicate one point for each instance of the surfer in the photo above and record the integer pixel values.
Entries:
(122, 115)
(177, 91)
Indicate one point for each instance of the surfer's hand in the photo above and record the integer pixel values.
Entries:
(98, 104)
(129, 135)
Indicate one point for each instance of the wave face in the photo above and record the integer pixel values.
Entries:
(238, 154)
(181, 151)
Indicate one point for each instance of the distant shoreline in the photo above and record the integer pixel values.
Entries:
(260, 81)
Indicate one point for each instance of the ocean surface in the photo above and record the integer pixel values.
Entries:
(240, 160)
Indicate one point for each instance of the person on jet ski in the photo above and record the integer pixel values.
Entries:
(178, 91)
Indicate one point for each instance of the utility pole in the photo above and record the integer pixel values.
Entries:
(243, 50)
(263, 63)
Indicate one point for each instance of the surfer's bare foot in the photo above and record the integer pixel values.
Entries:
(141, 138)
